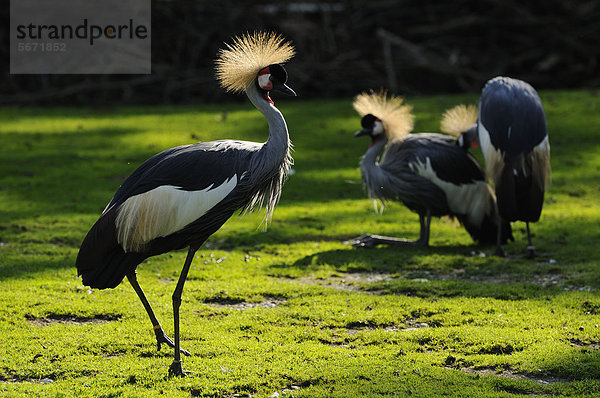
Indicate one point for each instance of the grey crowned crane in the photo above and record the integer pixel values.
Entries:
(461, 122)
(427, 172)
(512, 133)
(181, 196)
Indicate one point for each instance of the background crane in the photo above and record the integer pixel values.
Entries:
(461, 122)
(427, 172)
(181, 196)
(513, 136)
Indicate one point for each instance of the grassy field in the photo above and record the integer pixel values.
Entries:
(293, 311)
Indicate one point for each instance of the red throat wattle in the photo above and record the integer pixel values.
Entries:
(268, 85)
(373, 141)
(268, 98)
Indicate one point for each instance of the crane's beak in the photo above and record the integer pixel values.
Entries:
(366, 131)
(284, 88)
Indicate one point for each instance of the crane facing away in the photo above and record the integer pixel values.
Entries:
(513, 136)
(427, 172)
(181, 196)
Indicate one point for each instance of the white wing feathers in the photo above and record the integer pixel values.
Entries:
(163, 211)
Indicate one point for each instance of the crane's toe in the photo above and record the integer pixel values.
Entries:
(531, 254)
(161, 337)
(499, 252)
(176, 370)
(367, 241)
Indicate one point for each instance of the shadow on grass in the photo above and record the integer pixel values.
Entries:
(430, 272)
(14, 266)
(580, 364)
(49, 171)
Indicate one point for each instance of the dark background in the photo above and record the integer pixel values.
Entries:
(343, 47)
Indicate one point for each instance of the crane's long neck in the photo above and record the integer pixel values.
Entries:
(369, 160)
(272, 162)
(277, 147)
(373, 176)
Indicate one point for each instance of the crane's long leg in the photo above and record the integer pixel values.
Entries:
(425, 221)
(499, 250)
(161, 336)
(530, 247)
(175, 368)
(369, 240)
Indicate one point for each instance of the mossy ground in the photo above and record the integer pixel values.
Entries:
(293, 310)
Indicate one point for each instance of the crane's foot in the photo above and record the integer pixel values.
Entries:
(370, 241)
(161, 337)
(531, 252)
(420, 242)
(499, 252)
(176, 370)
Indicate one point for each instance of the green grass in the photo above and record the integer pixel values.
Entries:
(293, 310)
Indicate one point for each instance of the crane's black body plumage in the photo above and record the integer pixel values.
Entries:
(452, 165)
(514, 139)
(512, 112)
(102, 261)
(397, 162)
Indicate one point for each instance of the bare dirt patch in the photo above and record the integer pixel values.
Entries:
(45, 380)
(584, 344)
(540, 379)
(411, 326)
(53, 319)
(348, 282)
(353, 282)
(243, 305)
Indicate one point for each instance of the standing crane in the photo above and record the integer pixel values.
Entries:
(181, 196)
(427, 172)
(513, 136)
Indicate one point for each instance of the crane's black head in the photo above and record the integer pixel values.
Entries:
(469, 138)
(273, 77)
(371, 126)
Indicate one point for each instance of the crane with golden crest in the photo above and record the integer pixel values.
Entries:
(428, 172)
(181, 196)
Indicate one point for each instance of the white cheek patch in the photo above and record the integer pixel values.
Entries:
(163, 211)
(264, 81)
(473, 200)
(377, 128)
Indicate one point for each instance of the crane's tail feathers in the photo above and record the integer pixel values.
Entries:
(520, 193)
(482, 218)
(540, 164)
(102, 263)
(486, 232)
(111, 274)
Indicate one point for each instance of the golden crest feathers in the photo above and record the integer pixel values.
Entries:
(239, 63)
(458, 119)
(397, 118)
